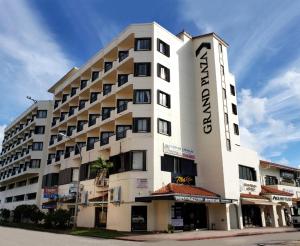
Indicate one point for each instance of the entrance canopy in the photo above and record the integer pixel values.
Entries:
(184, 193)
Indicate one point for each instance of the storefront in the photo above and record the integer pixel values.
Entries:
(185, 207)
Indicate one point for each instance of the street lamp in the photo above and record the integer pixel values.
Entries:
(30, 98)
(78, 182)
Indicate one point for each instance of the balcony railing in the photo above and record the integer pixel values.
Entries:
(123, 55)
(122, 107)
(121, 134)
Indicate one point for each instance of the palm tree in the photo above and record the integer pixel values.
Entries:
(101, 167)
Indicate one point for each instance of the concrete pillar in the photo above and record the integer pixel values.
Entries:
(227, 217)
(262, 215)
(283, 221)
(274, 216)
(240, 216)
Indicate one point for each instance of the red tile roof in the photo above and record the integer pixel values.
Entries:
(267, 190)
(243, 195)
(172, 188)
(272, 164)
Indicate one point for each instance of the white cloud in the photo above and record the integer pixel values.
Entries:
(30, 59)
(271, 121)
(250, 28)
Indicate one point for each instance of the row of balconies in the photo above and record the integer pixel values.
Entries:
(95, 76)
(18, 157)
(95, 97)
(98, 143)
(27, 137)
(27, 167)
(95, 121)
(21, 198)
(19, 129)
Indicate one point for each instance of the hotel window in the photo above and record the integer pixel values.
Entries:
(163, 99)
(141, 124)
(222, 70)
(226, 118)
(247, 173)
(228, 144)
(107, 66)
(163, 48)
(31, 196)
(35, 163)
(142, 97)
(95, 75)
(163, 72)
(39, 130)
(41, 114)
(142, 44)
(236, 129)
(37, 146)
(224, 93)
(220, 48)
(33, 180)
(232, 90)
(142, 69)
(164, 127)
(83, 84)
(271, 180)
(139, 160)
(234, 109)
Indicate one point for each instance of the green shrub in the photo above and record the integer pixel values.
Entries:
(30, 212)
(61, 218)
(4, 214)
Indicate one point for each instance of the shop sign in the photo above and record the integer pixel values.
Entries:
(50, 206)
(141, 183)
(177, 222)
(179, 151)
(248, 187)
(281, 199)
(187, 180)
(51, 192)
(201, 199)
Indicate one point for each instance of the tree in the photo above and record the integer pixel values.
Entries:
(30, 212)
(101, 166)
(61, 218)
(5, 214)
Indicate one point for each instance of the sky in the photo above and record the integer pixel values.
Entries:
(40, 40)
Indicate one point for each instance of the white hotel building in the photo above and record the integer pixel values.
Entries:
(163, 109)
(24, 155)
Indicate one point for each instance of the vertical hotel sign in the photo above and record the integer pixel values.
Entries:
(204, 80)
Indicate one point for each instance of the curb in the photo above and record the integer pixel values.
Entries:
(245, 234)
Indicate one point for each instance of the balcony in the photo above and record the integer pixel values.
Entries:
(83, 84)
(122, 107)
(57, 158)
(106, 89)
(49, 161)
(122, 79)
(73, 91)
(107, 66)
(56, 103)
(94, 97)
(67, 154)
(123, 55)
(81, 105)
(121, 134)
(92, 121)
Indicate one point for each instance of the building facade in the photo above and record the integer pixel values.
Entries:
(24, 155)
(162, 108)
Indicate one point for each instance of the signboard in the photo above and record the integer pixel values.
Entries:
(177, 222)
(141, 183)
(187, 180)
(248, 187)
(179, 151)
(51, 192)
(275, 198)
(49, 206)
(201, 199)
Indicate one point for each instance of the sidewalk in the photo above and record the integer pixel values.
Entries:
(200, 235)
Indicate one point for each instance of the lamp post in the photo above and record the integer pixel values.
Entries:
(78, 182)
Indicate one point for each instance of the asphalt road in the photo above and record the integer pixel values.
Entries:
(19, 237)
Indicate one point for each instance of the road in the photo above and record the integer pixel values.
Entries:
(20, 237)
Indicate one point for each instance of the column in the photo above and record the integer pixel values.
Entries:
(282, 214)
(228, 228)
(262, 215)
(240, 216)
(274, 216)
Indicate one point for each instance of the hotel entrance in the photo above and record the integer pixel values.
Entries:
(189, 216)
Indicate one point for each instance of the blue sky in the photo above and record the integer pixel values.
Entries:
(41, 39)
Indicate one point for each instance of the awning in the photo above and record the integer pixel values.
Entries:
(103, 198)
(184, 193)
(250, 201)
(267, 190)
(49, 204)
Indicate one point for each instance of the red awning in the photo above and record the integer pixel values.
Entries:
(172, 188)
(251, 196)
(267, 190)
